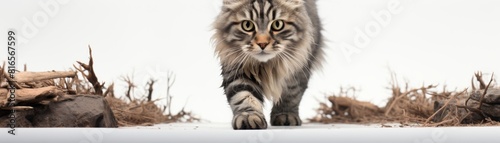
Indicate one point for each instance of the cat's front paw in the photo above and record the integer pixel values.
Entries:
(249, 120)
(286, 119)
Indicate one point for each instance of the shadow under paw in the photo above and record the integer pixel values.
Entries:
(285, 119)
(249, 120)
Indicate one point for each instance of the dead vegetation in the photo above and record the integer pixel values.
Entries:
(423, 106)
(144, 111)
(46, 87)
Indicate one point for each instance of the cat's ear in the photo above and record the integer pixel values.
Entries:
(228, 5)
(292, 4)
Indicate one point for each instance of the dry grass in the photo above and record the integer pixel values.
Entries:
(423, 106)
(145, 113)
(132, 112)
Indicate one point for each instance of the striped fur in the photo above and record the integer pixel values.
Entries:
(267, 49)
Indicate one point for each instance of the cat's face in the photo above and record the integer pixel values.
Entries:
(262, 29)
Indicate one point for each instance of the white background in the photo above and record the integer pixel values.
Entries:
(428, 42)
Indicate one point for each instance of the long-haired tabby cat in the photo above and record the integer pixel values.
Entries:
(267, 48)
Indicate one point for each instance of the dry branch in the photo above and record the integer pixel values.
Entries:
(150, 89)
(91, 76)
(484, 92)
(110, 91)
(17, 108)
(130, 86)
(479, 78)
(170, 84)
(28, 95)
(39, 76)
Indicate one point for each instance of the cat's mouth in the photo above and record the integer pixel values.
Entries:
(263, 56)
(262, 53)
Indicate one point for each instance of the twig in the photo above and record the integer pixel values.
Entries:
(484, 92)
(170, 83)
(388, 110)
(150, 89)
(17, 108)
(130, 86)
(444, 106)
(479, 78)
(470, 109)
(110, 90)
(472, 83)
(91, 76)
(440, 123)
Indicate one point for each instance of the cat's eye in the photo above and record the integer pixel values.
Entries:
(277, 25)
(247, 26)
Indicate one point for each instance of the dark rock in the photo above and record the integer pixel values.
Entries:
(21, 118)
(474, 115)
(492, 96)
(73, 111)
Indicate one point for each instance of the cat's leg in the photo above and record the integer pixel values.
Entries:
(286, 111)
(246, 101)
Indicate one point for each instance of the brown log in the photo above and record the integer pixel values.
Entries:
(348, 102)
(21, 77)
(354, 108)
(38, 76)
(27, 95)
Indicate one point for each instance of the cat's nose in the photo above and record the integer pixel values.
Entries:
(262, 45)
(262, 40)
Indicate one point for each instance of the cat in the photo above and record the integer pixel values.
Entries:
(267, 49)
